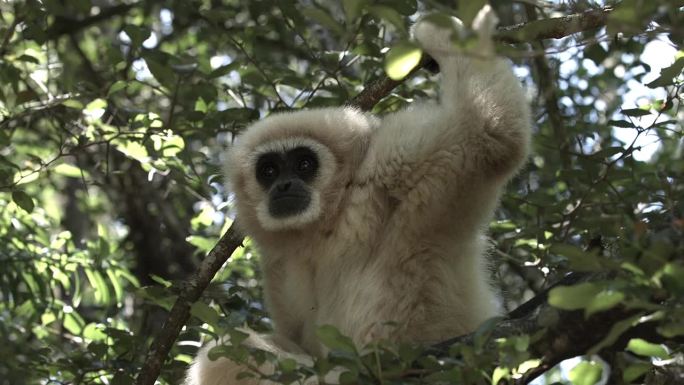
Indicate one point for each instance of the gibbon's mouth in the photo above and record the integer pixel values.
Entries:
(290, 197)
(287, 205)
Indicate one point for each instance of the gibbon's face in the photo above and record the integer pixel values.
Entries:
(290, 170)
(286, 179)
(288, 176)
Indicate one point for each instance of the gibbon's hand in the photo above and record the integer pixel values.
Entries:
(440, 40)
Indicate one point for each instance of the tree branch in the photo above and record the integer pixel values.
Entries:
(365, 100)
(567, 334)
(553, 28)
(180, 312)
(546, 79)
(65, 26)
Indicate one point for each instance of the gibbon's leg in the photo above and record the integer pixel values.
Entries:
(454, 156)
(224, 371)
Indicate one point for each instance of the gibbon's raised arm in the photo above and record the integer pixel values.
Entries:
(468, 144)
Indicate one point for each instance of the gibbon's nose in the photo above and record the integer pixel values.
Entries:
(283, 187)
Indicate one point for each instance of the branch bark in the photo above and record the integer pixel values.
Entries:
(365, 100)
(180, 312)
(66, 26)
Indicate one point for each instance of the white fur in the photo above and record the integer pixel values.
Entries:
(396, 249)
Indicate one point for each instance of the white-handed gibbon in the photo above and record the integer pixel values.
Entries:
(376, 225)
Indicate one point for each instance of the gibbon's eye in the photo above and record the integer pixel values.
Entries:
(268, 170)
(305, 164)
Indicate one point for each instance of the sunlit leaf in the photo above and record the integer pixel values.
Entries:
(499, 374)
(401, 59)
(586, 373)
(644, 348)
(203, 243)
(69, 170)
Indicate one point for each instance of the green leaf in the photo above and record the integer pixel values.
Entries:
(635, 112)
(136, 34)
(671, 278)
(586, 373)
(579, 259)
(287, 365)
(161, 72)
(224, 70)
(205, 313)
(606, 299)
(671, 330)
(23, 200)
(644, 348)
(116, 284)
(73, 322)
(323, 18)
(237, 336)
(667, 75)
(133, 150)
(203, 243)
(333, 339)
(401, 59)
(352, 9)
(94, 332)
(390, 15)
(233, 352)
(573, 297)
(116, 87)
(73, 103)
(620, 123)
(101, 290)
(634, 371)
(69, 170)
(499, 374)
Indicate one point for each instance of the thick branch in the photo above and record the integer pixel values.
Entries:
(180, 312)
(64, 26)
(554, 28)
(567, 334)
